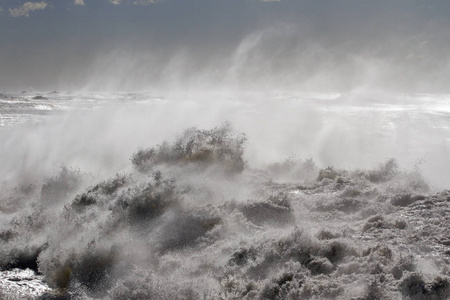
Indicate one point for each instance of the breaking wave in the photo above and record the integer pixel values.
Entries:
(191, 220)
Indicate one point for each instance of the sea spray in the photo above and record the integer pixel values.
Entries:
(191, 219)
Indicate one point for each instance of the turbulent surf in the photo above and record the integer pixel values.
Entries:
(206, 212)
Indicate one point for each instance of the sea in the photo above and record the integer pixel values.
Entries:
(224, 195)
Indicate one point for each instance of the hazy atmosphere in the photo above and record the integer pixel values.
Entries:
(234, 44)
(224, 149)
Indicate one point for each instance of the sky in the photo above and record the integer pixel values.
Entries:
(299, 45)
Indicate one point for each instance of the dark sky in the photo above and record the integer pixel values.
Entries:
(315, 45)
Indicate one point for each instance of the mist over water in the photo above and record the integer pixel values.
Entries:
(224, 150)
(299, 46)
(97, 133)
(276, 194)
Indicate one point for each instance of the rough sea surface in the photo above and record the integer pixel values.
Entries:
(139, 196)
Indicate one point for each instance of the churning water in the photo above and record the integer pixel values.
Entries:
(230, 196)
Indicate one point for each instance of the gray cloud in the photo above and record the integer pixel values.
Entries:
(135, 2)
(26, 8)
(145, 2)
(79, 2)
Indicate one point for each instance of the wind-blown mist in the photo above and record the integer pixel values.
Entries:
(197, 45)
(283, 57)
(224, 149)
(276, 58)
(234, 196)
(356, 130)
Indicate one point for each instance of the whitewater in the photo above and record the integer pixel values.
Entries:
(224, 195)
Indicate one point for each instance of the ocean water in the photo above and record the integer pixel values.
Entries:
(224, 196)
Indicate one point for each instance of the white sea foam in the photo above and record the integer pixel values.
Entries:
(92, 202)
